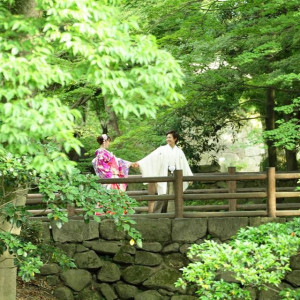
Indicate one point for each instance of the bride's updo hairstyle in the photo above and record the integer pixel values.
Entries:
(102, 138)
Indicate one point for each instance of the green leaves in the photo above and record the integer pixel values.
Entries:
(256, 257)
(129, 68)
(231, 52)
(15, 215)
(287, 132)
(87, 194)
(84, 43)
(24, 252)
(26, 122)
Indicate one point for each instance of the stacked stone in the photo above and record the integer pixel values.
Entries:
(109, 268)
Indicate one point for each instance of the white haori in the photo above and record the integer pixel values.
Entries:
(158, 161)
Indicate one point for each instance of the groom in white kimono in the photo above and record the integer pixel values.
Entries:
(162, 162)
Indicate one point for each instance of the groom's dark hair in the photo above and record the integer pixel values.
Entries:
(174, 134)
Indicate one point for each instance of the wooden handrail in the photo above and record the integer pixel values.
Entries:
(237, 177)
(136, 180)
(225, 196)
(202, 208)
(231, 193)
(37, 198)
(287, 175)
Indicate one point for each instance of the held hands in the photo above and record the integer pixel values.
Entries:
(135, 165)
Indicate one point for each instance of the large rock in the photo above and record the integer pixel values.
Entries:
(227, 276)
(108, 292)
(183, 297)
(75, 231)
(69, 249)
(126, 291)
(184, 249)
(256, 221)
(88, 260)
(158, 230)
(174, 247)
(188, 230)
(295, 262)
(152, 246)
(294, 278)
(63, 293)
(165, 293)
(103, 247)
(89, 294)
(128, 249)
(252, 292)
(136, 274)
(164, 279)
(46, 232)
(52, 280)
(147, 258)
(225, 228)
(76, 279)
(49, 269)
(80, 248)
(110, 272)
(123, 258)
(109, 231)
(176, 260)
(149, 295)
(271, 293)
(268, 295)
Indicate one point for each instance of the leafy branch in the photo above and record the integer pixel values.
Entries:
(256, 257)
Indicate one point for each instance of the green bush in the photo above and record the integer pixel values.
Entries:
(257, 257)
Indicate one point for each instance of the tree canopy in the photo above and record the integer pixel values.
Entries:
(240, 61)
(55, 55)
(93, 48)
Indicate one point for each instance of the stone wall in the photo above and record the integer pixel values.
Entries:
(109, 268)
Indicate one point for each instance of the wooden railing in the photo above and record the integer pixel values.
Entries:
(269, 193)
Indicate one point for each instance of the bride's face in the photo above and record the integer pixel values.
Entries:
(106, 144)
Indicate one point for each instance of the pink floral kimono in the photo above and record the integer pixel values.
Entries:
(106, 165)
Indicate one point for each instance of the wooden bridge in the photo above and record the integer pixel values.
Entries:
(269, 193)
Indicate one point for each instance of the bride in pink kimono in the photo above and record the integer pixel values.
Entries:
(107, 165)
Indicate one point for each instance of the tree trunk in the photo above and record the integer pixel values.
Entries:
(291, 160)
(270, 125)
(26, 8)
(290, 155)
(8, 270)
(113, 121)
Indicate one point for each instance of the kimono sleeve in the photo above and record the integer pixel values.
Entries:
(185, 166)
(101, 164)
(150, 165)
(124, 166)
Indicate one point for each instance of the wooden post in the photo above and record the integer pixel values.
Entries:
(151, 191)
(271, 192)
(8, 270)
(232, 189)
(178, 192)
(71, 210)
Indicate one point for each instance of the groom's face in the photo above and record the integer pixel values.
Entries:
(170, 140)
